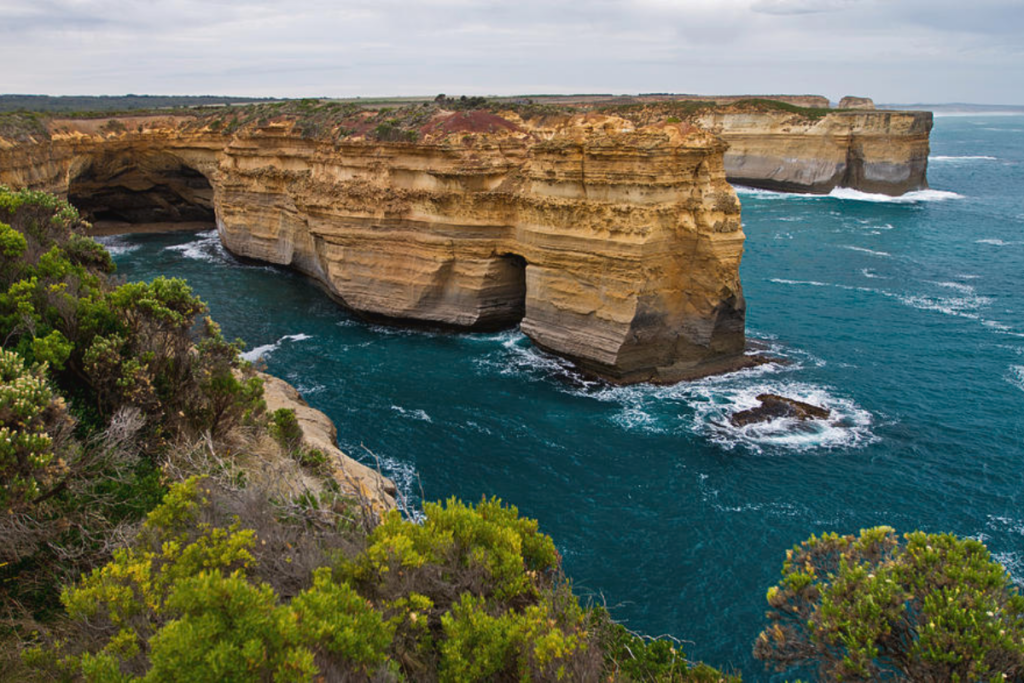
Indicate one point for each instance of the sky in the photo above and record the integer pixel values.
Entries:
(895, 51)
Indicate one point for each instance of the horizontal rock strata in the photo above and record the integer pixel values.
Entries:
(615, 246)
(882, 152)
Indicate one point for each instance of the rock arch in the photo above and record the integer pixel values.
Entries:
(140, 187)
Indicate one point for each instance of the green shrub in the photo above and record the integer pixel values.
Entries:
(28, 412)
(526, 645)
(934, 607)
(285, 428)
(488, 551)
(228, 629)
(333, 618)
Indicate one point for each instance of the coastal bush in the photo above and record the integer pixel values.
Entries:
(486, 550)
(112, 376)
(29, 413)
(284, 426)
(930, 607)
(186, 599)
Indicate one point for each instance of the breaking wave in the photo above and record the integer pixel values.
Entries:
(265, 350)
(207, 248)
(414, 414)
(867, 251)
(1016, 376)
(117, 244)
(961, 159)
(914, 197)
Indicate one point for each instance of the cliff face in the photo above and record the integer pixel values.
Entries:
(873, 151)
(615, 246)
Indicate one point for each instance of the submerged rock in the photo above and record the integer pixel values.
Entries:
(774, 407)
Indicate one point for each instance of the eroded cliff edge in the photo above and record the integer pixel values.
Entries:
(615, 245)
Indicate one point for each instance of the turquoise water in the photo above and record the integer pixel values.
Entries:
(905, 318)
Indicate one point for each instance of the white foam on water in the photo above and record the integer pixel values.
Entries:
(848, 426)
(1005, 524)
(414, 414)
(635, 418)
(207, 247)
(958, 286)
(963, 306)
(1013, 562)
(117, 244)
(914, 197)
(961, 159)
(477, 427)
(995, 242)
(812, 283)
(996, 325)
(265, 350)
(1016, 376)
(405, 477)
(867, 251)
(868, 273)
(743, 190)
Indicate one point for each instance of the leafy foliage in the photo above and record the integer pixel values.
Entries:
(186, 600)
(934, 607)
(29, 413)
(98, 381)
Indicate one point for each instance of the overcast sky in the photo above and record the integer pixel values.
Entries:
(902, 51)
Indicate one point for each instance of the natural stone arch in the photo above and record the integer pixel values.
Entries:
(129, 186)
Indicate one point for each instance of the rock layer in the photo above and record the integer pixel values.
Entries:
(882, 152)
(616, 246)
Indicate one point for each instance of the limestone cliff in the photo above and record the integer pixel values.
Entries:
(873, 151)
(776, 145)
(615, 245)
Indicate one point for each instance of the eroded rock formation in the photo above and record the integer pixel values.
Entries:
(853, 102)
(882, 152)
(616, 246)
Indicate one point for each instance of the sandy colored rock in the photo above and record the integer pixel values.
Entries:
(882, 152)
(354, 478)
(615, 246)
(852, 102)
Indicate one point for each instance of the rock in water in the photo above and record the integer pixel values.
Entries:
(774, 407)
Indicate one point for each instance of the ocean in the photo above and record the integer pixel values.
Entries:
(904, 317)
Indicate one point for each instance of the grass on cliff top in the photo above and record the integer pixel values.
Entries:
(339, 119)
(22, 126)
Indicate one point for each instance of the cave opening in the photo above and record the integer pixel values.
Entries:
(131, 191)
(512, 295)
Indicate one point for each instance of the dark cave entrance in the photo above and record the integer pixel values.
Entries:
(509, 293)
(130, 191)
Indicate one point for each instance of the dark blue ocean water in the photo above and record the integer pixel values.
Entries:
(906, 318)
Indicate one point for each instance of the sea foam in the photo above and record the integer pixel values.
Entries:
(961, 159)
(1016, 376)
(849, 194)
(117, 244)
(866, 251)
(265, 350)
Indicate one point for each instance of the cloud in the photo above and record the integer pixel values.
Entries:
(888, 49)
(786, 7)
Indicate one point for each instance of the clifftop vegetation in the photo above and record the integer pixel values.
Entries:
(25, 117)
